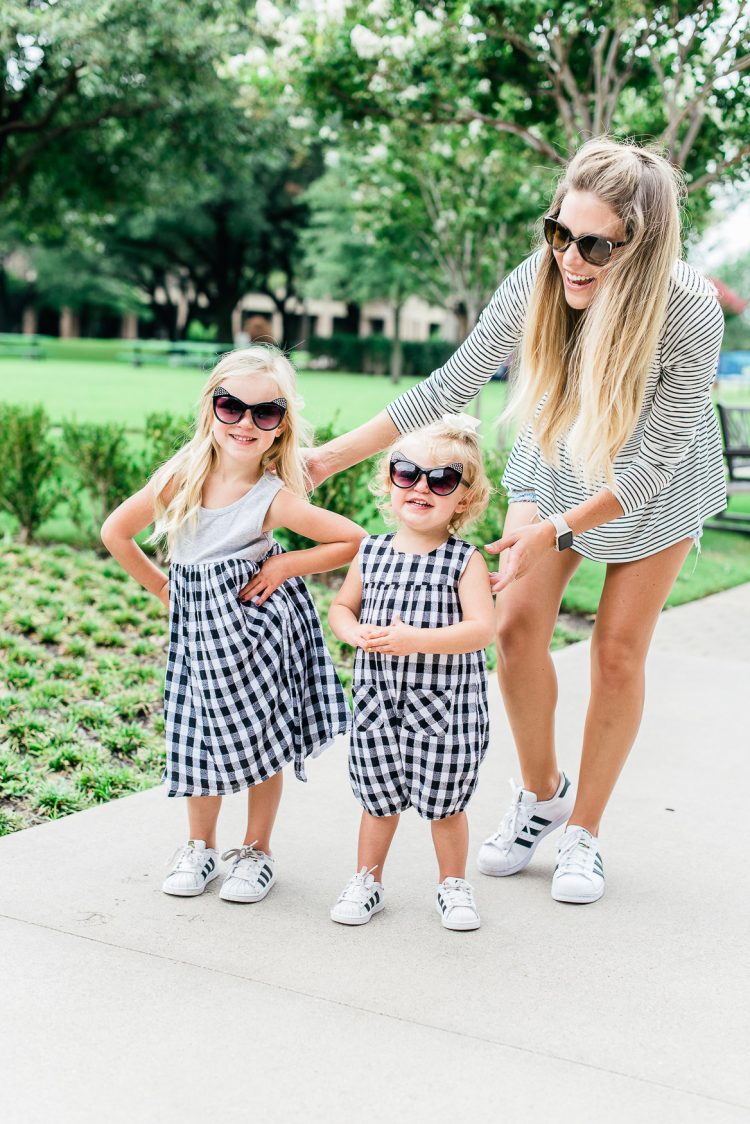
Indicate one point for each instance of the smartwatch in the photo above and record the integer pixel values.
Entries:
(563, 533)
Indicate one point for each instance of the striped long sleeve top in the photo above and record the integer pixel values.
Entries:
(669, 475)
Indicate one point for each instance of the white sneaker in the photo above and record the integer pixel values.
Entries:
(456, 906)
(579, 874)
(360, 900)
(523, 827)
(192, 868)
(250, 876)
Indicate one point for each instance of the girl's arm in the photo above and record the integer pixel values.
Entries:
(118, 534)
(474, 632)
(343, 615)
(339, 540)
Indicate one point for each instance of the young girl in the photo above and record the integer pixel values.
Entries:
(417, 606)
(250, 686)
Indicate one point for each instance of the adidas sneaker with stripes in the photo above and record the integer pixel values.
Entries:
(250, 877)
(579, 874)
(192, 867)
(360, 900)
(523, 827)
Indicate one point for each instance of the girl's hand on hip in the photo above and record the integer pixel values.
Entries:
(274, 571)
(397, 640)
(524, 547)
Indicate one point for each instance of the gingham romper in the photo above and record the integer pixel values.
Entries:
(248, 689)
(420, 726)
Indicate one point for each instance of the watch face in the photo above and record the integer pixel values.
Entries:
(564, 541)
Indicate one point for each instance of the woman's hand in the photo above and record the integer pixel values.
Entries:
(270, 576)
(525, 546)
(398, 639)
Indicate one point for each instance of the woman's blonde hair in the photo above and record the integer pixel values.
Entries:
(184, 474)
(582, 377)
(450, 440)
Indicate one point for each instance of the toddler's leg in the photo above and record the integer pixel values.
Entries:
(375, 837)
(451, 839)
(203, 812)
(262, 805)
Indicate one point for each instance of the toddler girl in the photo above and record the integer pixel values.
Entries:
(417, 605)
(250, 686)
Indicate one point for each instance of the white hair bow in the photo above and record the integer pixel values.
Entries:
(461, 423)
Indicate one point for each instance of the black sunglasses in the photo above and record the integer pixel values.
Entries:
(592, 247)
(442, 481)
(230, 410)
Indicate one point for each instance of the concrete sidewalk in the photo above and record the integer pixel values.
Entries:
(118, 1003)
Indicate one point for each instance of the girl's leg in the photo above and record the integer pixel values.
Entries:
(262, 806)
(526, 615)
(203, 812)
(633, 596)
(451, 839)
(375, 837)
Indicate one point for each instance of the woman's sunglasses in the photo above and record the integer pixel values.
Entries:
(442, 481)
(231, 410)
(592, 247)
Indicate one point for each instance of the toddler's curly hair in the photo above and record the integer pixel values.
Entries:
(451, 439)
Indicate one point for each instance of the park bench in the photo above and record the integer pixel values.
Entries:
(735, 429)
(21, 346)
(184, 353)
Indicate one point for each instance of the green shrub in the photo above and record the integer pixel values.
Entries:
(105, 469)
(165, 434)
(30, 486)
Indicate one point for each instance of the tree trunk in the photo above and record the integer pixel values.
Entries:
(397, 355)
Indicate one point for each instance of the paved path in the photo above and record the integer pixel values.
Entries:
(119, 1004)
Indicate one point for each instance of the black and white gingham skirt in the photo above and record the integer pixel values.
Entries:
(248, 689)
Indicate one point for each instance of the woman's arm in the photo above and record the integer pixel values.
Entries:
(471, 634)
(449, 388)
(118, 534)
(339, 540)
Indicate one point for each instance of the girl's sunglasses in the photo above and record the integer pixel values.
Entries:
(592, 247)
(231, 410)
(442, 481)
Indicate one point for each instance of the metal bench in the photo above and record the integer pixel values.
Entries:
(735, 429)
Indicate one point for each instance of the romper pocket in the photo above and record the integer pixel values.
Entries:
(367, 712)
(427, 712)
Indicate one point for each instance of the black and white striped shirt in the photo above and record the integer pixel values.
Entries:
(669, 475)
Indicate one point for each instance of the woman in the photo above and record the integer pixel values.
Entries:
(618, 460)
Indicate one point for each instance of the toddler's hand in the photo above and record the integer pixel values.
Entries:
(361, 634)
(398, 640)
(270, 576)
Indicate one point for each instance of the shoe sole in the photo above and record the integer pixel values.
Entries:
(358, 920)
(458, 927)
(527, 858)
(192, 893)
(247, 900)
(570, 900)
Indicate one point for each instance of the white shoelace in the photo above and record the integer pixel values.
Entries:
(247, 861)
(576, 855)
(358, 889)
(187, 860)
(515, 819)
(461, 895)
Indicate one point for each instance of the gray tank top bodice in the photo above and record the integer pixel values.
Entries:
(229, 532)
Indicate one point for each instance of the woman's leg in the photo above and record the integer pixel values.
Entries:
(451, 839)
(375, 838)
(203, 812)
(262, 806)
(633, 596)
(526, 615)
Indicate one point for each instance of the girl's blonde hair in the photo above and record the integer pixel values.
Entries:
(448, 441)
(185, 473)
(582, 377)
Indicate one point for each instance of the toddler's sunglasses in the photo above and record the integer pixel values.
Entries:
(592, 247)
(231, 410)
(442, 481)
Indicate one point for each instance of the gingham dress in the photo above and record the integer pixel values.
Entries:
(420, 726)
(248, 689)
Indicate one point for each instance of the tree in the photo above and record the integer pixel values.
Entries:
(548, 77)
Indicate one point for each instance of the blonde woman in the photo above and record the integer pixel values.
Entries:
(618, 459)
(250, 687)
(417, 607)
